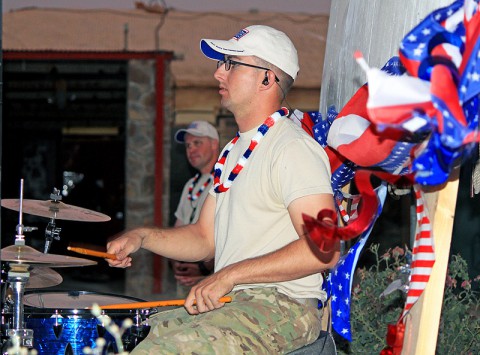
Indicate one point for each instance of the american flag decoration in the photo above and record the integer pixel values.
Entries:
(354, 147)
(306, 120)
(314, 124)
(423, 254)
(438, 101)
(436, 105)
(415, 119)
(340, 279)
(353, 201)
(419, 115)
(355, 138)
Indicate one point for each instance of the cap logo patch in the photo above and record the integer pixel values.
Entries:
(240, 34)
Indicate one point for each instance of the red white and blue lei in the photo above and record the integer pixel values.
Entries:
(191, 195)
(220, 187)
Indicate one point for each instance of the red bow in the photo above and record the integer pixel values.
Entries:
(395, 335)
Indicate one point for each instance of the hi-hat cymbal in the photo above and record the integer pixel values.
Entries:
(24, 254)
(55, 209)
(41, 277)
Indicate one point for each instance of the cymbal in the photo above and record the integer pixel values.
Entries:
(55, 209)
(24, 254)
(41, 277)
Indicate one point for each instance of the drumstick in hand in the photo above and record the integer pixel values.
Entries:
(93, 253)
(154, 304)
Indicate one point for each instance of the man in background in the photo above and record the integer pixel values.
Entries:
(202, 148)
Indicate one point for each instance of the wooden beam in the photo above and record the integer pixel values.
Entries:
(423, 320)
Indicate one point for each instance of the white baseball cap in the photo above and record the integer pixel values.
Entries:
(198, 129)
(261, 41)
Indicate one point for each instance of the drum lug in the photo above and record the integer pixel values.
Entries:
(57, 327)
(101, 330)
(134, 336)
(57, 330)
(111, 348)
(69, 350)
(103, 319)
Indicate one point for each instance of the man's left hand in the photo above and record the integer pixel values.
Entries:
(207, 293)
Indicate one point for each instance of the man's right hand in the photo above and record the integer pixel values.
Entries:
(122, 246)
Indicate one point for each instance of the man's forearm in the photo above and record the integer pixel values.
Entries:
(294, 261)
(167, 242)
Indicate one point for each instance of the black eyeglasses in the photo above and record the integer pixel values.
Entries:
(229, 63)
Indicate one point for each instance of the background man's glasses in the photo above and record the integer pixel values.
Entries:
(229, 63)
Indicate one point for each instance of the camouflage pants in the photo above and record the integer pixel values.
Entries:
(257, 321)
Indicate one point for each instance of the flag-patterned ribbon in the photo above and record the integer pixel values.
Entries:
(423, 259)
(340, 279)
(423, 255)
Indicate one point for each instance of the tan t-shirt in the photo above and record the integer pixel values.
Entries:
(251, 218)
(189, 211)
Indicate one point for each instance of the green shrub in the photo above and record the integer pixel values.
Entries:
(459, 330)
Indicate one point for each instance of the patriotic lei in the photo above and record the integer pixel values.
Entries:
(194, 197)
(242, 161)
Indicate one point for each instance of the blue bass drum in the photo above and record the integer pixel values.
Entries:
(61, 323)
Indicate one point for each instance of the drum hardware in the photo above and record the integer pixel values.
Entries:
(20, 258)
(101, 326)
(42, 277)
(62, 323)
(57, 327)
(24, 254)
(52, 232)
(138, 331)
(55, 209)
(18, 275)
(29, 268)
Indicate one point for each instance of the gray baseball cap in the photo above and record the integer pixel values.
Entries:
(198, 129)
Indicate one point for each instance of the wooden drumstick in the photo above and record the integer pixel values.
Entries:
(93, 253)
(154, 304)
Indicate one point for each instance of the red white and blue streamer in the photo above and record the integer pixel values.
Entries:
(423, 254)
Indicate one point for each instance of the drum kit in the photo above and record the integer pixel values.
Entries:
(56, 322)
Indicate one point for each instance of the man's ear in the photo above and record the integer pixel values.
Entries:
(268, 79)
(265, 79)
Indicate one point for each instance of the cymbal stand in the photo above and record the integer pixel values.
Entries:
(52, 232)
(18, 276)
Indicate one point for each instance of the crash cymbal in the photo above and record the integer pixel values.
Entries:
(24, 254)
(41, 277)
(55, 209)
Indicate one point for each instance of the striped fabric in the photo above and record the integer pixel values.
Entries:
(423, 255)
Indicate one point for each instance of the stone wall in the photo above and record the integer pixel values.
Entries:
(140, 165)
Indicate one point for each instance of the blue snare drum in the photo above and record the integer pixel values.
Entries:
(62, 325)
